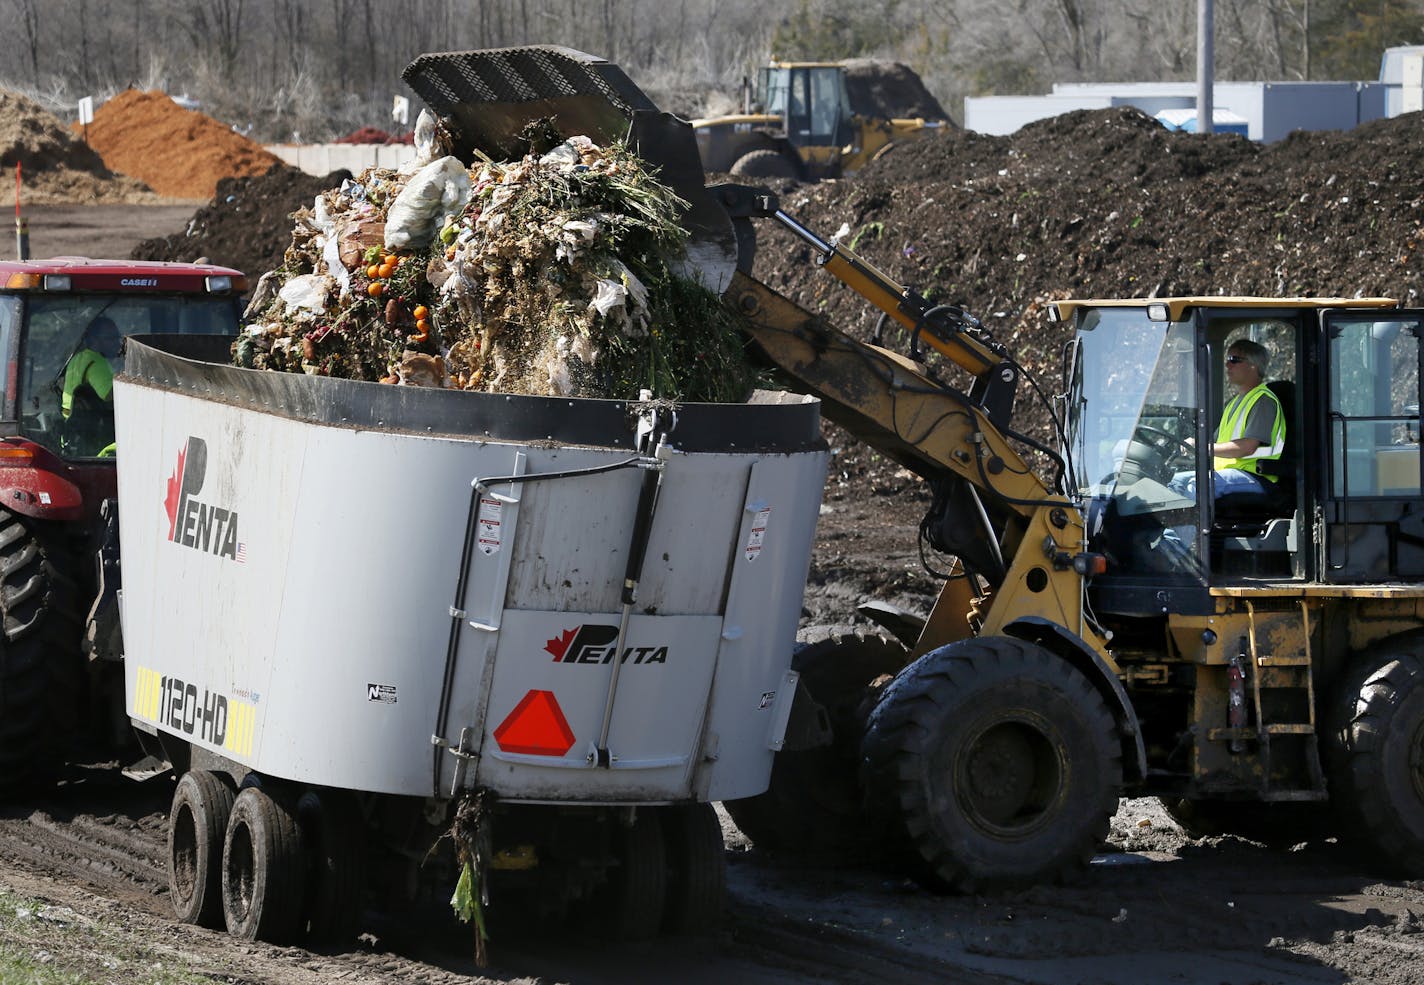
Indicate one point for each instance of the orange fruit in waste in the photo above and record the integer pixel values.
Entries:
(373, 271)
(422, 325)
(420, 311)
(387, 269)
(376, 289)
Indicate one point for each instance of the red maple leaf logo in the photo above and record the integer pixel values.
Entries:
(175, 490)
(559, 645)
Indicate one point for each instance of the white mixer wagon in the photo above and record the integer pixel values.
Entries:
(564, 626)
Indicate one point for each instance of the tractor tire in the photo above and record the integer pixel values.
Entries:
(1273, 825)
(197, 826)
(632, 902)
(999, 762)
(697, 870)
(263, 868)
(764, 163)
(333, 840)
(41, 670)
(1382, 762)
(815, 804)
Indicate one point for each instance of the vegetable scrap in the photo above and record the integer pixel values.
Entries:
(561, 274)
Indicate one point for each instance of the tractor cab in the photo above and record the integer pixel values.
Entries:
(62, 323)
(1339, 501)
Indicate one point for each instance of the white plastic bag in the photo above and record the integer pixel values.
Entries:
(306, 292)
(439, 189)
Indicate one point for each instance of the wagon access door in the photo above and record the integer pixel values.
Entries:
(713, 625)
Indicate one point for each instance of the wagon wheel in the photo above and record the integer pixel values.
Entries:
(262, 871)
(697, 869)
(197, 824)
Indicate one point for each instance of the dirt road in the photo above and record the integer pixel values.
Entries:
(85, 865)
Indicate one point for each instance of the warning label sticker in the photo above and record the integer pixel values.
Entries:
(758, 533)
(489, 525)
(384, 693)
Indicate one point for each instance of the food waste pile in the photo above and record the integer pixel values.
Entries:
(559, 274)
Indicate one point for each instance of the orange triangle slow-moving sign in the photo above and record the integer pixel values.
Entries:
(536, 727)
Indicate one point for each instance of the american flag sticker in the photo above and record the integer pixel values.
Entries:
(242, 552)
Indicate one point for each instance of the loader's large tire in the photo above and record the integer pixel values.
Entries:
(197, 827)
(696, 869)
(333, 841)
(41, 673)
(1000, 761)
(1381, 765)
(764, 163)
(815, 804)
(262, 874)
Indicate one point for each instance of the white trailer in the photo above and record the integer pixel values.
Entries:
(356, 615)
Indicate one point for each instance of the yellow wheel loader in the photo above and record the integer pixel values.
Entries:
(798, 122)
(1103, 627)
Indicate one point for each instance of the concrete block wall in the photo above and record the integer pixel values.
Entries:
(322, 159)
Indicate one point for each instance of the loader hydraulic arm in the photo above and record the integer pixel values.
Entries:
(994, 512)
(952, 332)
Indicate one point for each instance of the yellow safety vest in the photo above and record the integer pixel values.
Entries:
(89, 367)
(1233, 423)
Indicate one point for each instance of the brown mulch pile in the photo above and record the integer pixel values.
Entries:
(179, 153)
(55, 165)
(248, 223)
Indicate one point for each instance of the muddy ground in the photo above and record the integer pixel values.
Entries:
(83, 892)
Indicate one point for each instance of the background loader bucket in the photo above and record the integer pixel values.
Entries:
(487, 100)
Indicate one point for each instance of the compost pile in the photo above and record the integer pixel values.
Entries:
(247, 224)
(179, 153)
(1108, 203)
(56, 166)
(557, 274)
(889, 90)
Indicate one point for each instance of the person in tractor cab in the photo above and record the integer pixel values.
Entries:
(87, 394)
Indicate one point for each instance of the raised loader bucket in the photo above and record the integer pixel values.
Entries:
(488, 99)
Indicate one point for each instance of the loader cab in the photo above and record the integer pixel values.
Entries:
(812, 100)
(1146, 387)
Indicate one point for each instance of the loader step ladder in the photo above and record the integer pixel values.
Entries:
(1297, 669)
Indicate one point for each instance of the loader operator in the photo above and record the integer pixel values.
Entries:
(1252, 430)
(87, 394)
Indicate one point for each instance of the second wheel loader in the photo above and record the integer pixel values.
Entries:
(1104, 630)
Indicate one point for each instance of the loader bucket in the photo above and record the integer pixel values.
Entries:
(487, 99)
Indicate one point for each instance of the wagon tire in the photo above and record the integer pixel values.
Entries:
(333, 840)
(197, 827)
(633, 900)
(696, 869)
(262, 875)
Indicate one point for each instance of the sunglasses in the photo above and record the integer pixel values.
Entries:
(1235, 359)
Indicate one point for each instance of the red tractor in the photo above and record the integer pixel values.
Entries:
(62, 323)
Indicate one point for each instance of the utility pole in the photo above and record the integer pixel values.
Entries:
(1206, 66)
